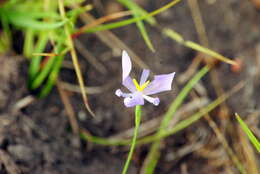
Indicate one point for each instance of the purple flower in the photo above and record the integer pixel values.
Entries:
(141, 91)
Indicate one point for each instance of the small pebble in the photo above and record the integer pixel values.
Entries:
(21, 152)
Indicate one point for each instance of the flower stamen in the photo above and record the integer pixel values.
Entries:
(145, 85)
(140, 88)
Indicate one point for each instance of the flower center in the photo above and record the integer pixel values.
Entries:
(138, 87)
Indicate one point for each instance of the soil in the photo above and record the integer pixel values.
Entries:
(38, 138)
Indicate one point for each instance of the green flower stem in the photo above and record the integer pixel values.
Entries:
(138, 112)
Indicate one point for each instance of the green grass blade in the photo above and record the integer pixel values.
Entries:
(144, 34)
(132, 20)
(32, 19)
(181, 97)
(43, 74)
(154, 154)
(48, 67)
(168, 116)
(6, 36)
(178, 38)
(52, 77)
(103, 141)
(249, 133)
(177, 128)
(35, 24)
(28, 43)
(36, 60)
(134, 8)
(193, 118)
(25, 14)
(132, 5)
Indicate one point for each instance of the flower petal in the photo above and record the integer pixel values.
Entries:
(129, 84)
(159, 84)
(126, 65)
(135, 99)
(119, 93)
(144, 76)
(152, 100)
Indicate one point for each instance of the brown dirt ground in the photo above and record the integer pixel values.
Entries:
(38, 138)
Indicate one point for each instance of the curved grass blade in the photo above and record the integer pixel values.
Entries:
(28, 42)
(249, 133)
(47, 67)
(136, 13)
(178, 38)
(75, 59)
(52, 76)
(132, 5)
(178, 127)
(173, 107)
(36, 60)
(154, 153)
(6, 36)
(35, 24)
(32, 20)
(99, 21)
(132, 20)
(43, 74)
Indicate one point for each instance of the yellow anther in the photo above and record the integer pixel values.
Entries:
(144, 85)
(138, 87)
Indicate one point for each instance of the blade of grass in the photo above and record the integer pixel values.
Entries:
(134, 8)
(55, 68)
(177, 102)
(45, 54)
(249, 133)
(132, 20)
(154, 153)
(6, 36)
(28, 22)
(100, 21)
(180, 98)
(39, 79)
(195, 117)
(4, 43)
(248, 152)
(75, 59)
(32, 20)
(178, 127)
(221, 138)
(52, 76)
(36, 60)
(151, 20)
(178, 38)
(28, 43)
(47, 67)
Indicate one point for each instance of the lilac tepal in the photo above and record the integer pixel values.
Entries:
(140, 92)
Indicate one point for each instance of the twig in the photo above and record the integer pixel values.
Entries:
(91, 90)
(9, 164)
(89, 57)
(69, 109)
(24, 102)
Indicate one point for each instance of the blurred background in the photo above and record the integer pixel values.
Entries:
(60, 64)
